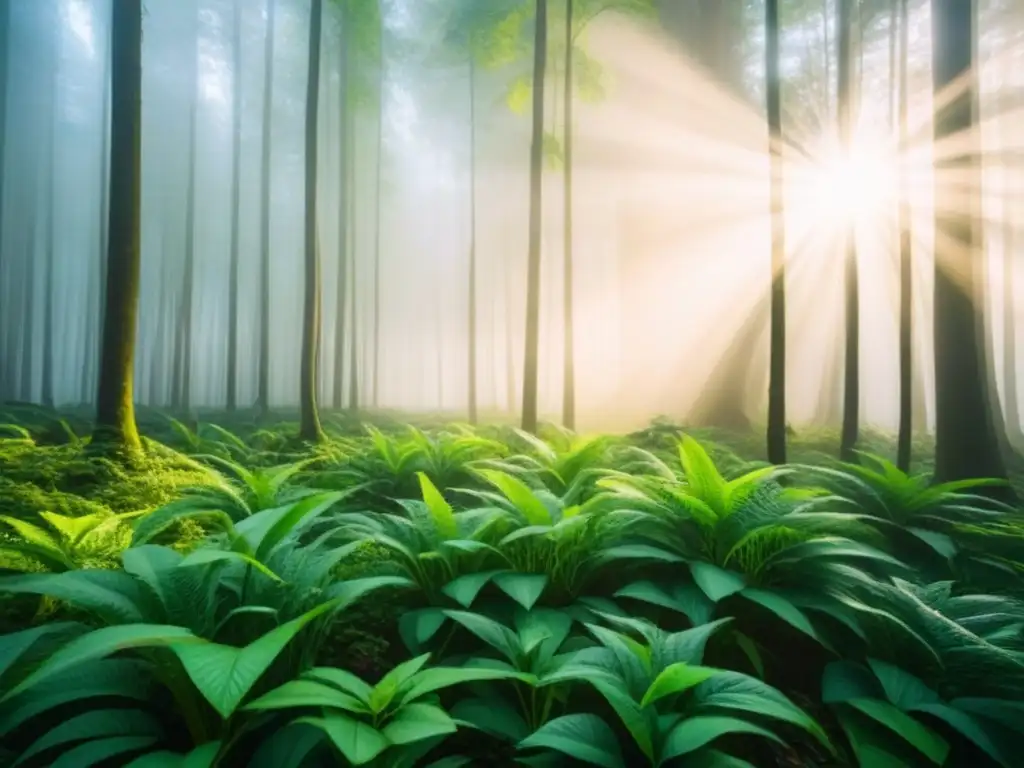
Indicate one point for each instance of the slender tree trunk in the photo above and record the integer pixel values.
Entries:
(50, 239)
(569, 352)
(472, 382)
(966, 442)
(379, 158)
(188, 278)
(341, 304)
(6, 361)
(531, 352)
(263, 378)
(777, 365)
(115, 411)
(96, 309)
(906, 413)
(351, 202)
(236, 169)
(851, 373)
(310, 428)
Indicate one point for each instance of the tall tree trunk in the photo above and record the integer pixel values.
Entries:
(344, 128)
(851, 372)
(777, 365)
(569, 351)
(471, 381)
(115, 411)
(236, 169)
(309, 428)
(97, 289)
(188, 277)
(263, 378)
(531, 352)
(353, 178)
(7, 359)
(379, 159)
(906, 412)
(50, 239)
(966, 442)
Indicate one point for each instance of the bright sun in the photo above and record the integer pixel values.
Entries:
(852, 188)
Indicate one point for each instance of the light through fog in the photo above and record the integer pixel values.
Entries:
(671, 219)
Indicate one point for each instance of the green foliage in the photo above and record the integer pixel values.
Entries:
(648, 601)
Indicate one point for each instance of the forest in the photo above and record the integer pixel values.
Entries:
(450, 383)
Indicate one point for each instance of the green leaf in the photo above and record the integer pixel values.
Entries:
(868, 751)
(524, 588)
(785, 610)
(494, 716)
(298, 515)
(522, 498)
(343, 680)
(924, 739)
(902, 689)
(436, 678)
(306, 693)
(103, 642)
(696, 732)
(384, 691)
(685, 598)
(98, 723)
(582, 737)
(92, 752)
(440, 510)
(114, 595)
(464, 589)
(499, 637)
(676, 678)
(978, 731)
(416, 722)
(418, 627)
(358, 742)
(224, 674)
(716, 582)
(13, 645)
(210, 555)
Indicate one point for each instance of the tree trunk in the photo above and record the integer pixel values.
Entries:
(341, 304)
(472, 383)
(309, 428)
(184, 372)
(851, 372)
(531, 352)
(906, 397)
(379, 158)
(50, 239)
(777, 366)
(352, 180)
(115, 412)
(236, 169)
(966, 442)
(6, 362)
(263, 378)
(569, 351)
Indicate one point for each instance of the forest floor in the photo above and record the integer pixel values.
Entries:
(198, 480)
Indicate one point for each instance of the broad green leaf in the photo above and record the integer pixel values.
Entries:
(210, 555)
(924, 739)
(464, 589)
(416, 722)
(306, 693)
(522, 498)
(902, 689)
(418, 627)
(435, 678)
(696, 732)
(114, 595)
(685, 598)
(867, 749)
(524, 588)
(343, 680)
(440, 510)
(716, 582)
(977, 730)
(358, 742)
(384, 691)
(224, 674)
(785, 610)
(494, 716)
(298, 515)
(13, 645)
(103, 642)
(99, 751)
(98, 723)
(582, 737)
(499, 637)
(676, 678)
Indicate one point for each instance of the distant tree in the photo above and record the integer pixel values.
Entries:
(966, 441)
(263, 378)
(309, 425)
(472, 331)
(569, 346)
(906, 412)
(777, 365)
(115, 413)
(851, 371)
(236, 168)
(5, 23)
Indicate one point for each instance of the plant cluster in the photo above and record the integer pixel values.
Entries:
(551, 601)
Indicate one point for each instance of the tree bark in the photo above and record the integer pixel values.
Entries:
(966, 442)
(379, 159)
(569, 350)
(472, 330)
(906, 330)
(263, 378)
(6, 363)
(184, 363)
(341, 303)
(851, 372)
(777, 366)
(531, 352)
(236, 170)
(115, 412)
(309, 426)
